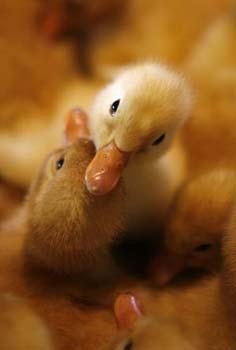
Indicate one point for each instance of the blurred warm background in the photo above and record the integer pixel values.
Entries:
(56, 54)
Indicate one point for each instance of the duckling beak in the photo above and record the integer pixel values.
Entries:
(76, 126)
(105, 170)
(163, 269)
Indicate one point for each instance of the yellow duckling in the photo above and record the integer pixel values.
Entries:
(133, 122)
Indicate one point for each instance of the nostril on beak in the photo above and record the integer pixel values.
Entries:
(105, 170)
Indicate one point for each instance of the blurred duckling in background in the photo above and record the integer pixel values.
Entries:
(36, 93)
(138, 331)
(199, 315)
(195, 226)
(149, 29)
(133, 123)
(215, 53)
(20, 327)
(210, 137)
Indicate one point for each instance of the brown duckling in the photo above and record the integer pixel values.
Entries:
(63, 214)
(58, 246)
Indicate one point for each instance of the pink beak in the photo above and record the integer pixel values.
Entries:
(164, 268)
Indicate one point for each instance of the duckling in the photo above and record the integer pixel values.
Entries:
(211, 67)
(195, 225)
(215, 52)
(150, 30)
(55, 253)
(200, 315)
(33, 108)
(133, 122)
(139, 331)
(20, 327)
(71, 227)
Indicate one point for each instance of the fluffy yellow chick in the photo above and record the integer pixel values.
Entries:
(196, 223)
(133, 122)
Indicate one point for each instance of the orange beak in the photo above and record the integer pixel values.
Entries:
(105, 170)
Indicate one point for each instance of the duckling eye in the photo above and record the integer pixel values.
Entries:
(159, 140)
(203, 247)
(114, 107)
(129, 345)
(60, 163)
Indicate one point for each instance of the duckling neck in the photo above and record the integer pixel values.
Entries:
(152, 183)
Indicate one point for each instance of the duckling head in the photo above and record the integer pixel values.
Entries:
(195, 227)
(68, 230)
(139, 112)
(138, 331)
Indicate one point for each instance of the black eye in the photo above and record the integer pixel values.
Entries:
(59, 163)
(129, 345)
(203, 247)
(114, 107)
(159, 140)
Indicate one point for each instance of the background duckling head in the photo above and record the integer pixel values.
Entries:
(196, 223)
(69, 229)
(140, 332)
(140, 111)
